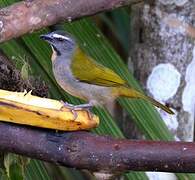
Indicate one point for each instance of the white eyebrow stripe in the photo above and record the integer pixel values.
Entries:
(60, 36)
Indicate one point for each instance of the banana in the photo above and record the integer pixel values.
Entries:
(27, 109)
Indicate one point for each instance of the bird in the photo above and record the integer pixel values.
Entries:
(81, 76)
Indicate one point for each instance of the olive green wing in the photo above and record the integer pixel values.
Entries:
(85, 69)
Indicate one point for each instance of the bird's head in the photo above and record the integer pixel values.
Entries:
(61, 41)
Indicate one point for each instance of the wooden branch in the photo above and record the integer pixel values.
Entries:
(27, 16)
(85, 150)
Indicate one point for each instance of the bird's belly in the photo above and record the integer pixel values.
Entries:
(89, 92)
(69, 84)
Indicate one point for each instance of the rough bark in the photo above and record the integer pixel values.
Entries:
(163, 61)
(163, 56)
(27, 16)
(85, 150)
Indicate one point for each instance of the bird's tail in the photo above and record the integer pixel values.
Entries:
(132, 93)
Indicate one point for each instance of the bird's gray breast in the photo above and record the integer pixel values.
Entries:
(64, 77)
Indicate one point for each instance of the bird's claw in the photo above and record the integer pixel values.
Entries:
(80, 107)
(72, 108)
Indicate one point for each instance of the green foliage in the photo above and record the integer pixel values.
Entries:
(118, 22)
(15, 166)
(36, 171)
(25, 71)
(3, 174)
(15, 172)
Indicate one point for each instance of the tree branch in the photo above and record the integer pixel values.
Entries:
(27, 16)
(85, 150)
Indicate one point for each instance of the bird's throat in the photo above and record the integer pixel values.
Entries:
(54, 54)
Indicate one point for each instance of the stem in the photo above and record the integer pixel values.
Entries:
(84, 150)
(27, 16)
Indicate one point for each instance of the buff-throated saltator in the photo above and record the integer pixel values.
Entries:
(78, 74)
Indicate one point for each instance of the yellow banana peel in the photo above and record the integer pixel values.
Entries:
(24, 108)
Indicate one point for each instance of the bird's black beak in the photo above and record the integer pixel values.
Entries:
(46, 37)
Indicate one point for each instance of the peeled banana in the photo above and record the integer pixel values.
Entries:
(24, 108)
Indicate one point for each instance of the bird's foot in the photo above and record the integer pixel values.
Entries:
(87, 107)
(71, 107)
(79, 107)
